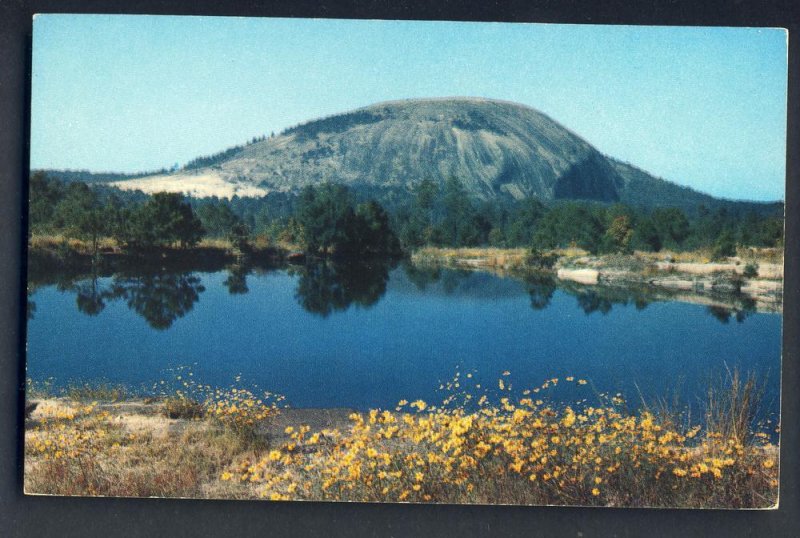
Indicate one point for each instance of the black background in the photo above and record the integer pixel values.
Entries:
(52, 516)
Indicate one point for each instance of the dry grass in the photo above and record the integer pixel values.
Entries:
(59, 241)
(90, 450)
(520, 448)
(691, 256)
(215, 243)
(491, 254)
(104, 391)
(491, 257)
(760, 255)
(705, 255)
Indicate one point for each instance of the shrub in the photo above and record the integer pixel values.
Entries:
(98, 391)
(538, 259)
(750, 270)
(724, 247)
(179, 407)
(240, 411)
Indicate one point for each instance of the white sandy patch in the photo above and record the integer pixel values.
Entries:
(581, 276)
(200, 185)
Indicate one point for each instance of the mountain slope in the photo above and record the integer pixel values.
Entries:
(495, 148)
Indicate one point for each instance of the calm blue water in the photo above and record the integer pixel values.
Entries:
(328, 338)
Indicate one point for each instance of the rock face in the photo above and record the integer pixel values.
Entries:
(495, 148)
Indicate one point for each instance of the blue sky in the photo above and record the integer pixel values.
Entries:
(703, 107)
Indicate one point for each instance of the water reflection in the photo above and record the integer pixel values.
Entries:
(162, 296)
(421, 277)
(236, 282)
(541, 289)
(453, 278)
(724, 314)
(159, 298)
(326, 287)
(90, 296)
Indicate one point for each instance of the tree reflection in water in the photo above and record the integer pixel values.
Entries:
(324, 287)
(159, 298)
(421, 277)
(236, 282)
(603, 299)
(724, 314)
(541, 289)
(591, 301)
(327, 287)
(90, 296)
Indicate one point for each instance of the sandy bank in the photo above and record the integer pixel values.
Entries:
(201, 185)
(145, 416)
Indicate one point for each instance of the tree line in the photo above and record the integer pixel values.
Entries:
(447, 216)
(326, 220)
(331, 218)
(76, 210)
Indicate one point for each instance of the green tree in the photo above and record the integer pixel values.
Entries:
(44, 195)
(325, 213)
(457, 226)
(569, 224)
(725, 245)
(645, 235)
(672, 226)
(524, 221)
(217, 218)
(371, 232)
(618, 235)
(425, 194)
(770, 233)
(331, 225)
(81, 214)
(239, 236)
(417, 220)
(164, 219)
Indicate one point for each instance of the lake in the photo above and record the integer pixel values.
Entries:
(370, 335)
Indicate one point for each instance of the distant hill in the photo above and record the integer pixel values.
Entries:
(496, 149)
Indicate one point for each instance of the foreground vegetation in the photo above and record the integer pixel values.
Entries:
(478, 446)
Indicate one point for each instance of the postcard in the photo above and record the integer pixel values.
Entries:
(405, 261)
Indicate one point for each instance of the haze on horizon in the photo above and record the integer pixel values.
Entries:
(702, 107)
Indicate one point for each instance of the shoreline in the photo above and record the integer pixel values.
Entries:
(685, 277)
(698, 282)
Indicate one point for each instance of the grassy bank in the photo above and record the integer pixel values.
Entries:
(516, 447)
(55, 251)
(106, 245)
